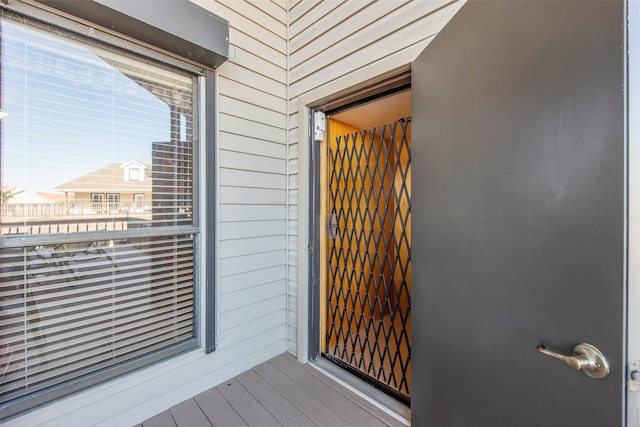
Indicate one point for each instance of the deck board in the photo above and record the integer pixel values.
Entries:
(281, 408)
(218, 411)
(309, 404)
(280, 392)
(328, 392)
(163, 419)
(188, 413)
(251, 411)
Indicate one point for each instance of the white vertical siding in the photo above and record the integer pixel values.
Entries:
(335, 45)
(251, 193)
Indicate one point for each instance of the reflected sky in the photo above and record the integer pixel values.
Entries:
(71, 109)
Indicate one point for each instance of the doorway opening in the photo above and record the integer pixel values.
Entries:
(365, 241)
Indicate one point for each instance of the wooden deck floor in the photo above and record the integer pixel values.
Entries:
(279, 392)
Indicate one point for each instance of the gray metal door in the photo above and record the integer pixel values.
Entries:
(519, 215)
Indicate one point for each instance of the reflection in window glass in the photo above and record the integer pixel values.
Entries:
(85, 120)
(95, 140)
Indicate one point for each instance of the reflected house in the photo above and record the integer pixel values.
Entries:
(117, 189)
(116, 197)
(19, 196)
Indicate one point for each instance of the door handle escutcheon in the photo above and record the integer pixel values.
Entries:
(586, 358)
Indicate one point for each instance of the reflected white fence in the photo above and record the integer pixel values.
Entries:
(20, 211)
(61, 218)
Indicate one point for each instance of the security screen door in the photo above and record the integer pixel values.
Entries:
(519, 215)
(368, 264)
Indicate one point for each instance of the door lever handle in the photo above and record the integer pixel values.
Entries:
(586, 358)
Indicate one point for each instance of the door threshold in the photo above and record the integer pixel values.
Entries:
(385, 402)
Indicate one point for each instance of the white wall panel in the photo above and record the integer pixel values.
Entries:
(253, 95)
(325, 34)
(269, 322)
(257, 113)
(251, 213)
(244, 297)
(251, 162)
(252, 196)
(256, 245)
(259, 309)
(250, 128)
(245, 229)
(322, 9)
(340, 12)
(251, 179)
(300, 8)
(241, 264)
(248, 279)
(243, 144)
(270, 8)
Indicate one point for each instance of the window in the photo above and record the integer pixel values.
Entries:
(113, 202)
(89, 292)
(134, 174)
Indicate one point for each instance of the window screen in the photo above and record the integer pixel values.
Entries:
(97, 228)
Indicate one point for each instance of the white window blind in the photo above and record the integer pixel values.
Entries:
(73, 309)
(96, 268)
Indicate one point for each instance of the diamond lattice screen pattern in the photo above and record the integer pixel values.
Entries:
(369, 254)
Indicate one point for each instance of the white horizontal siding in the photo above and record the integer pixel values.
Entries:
(252, 196)
(251, 179)
(241, 264)
(377, 40)
(239, 108)
(256, 245)
(232, 213)
(247, 330)
(249, 94)
(299, 8)
(248, 127)
(259, 309)
(335, 46)
(321, 9)
(243, 144)
(239, 299)
(345, 21)
(248, 279)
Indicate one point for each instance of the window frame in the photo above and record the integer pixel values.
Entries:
(97, 198)
(204, 205)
